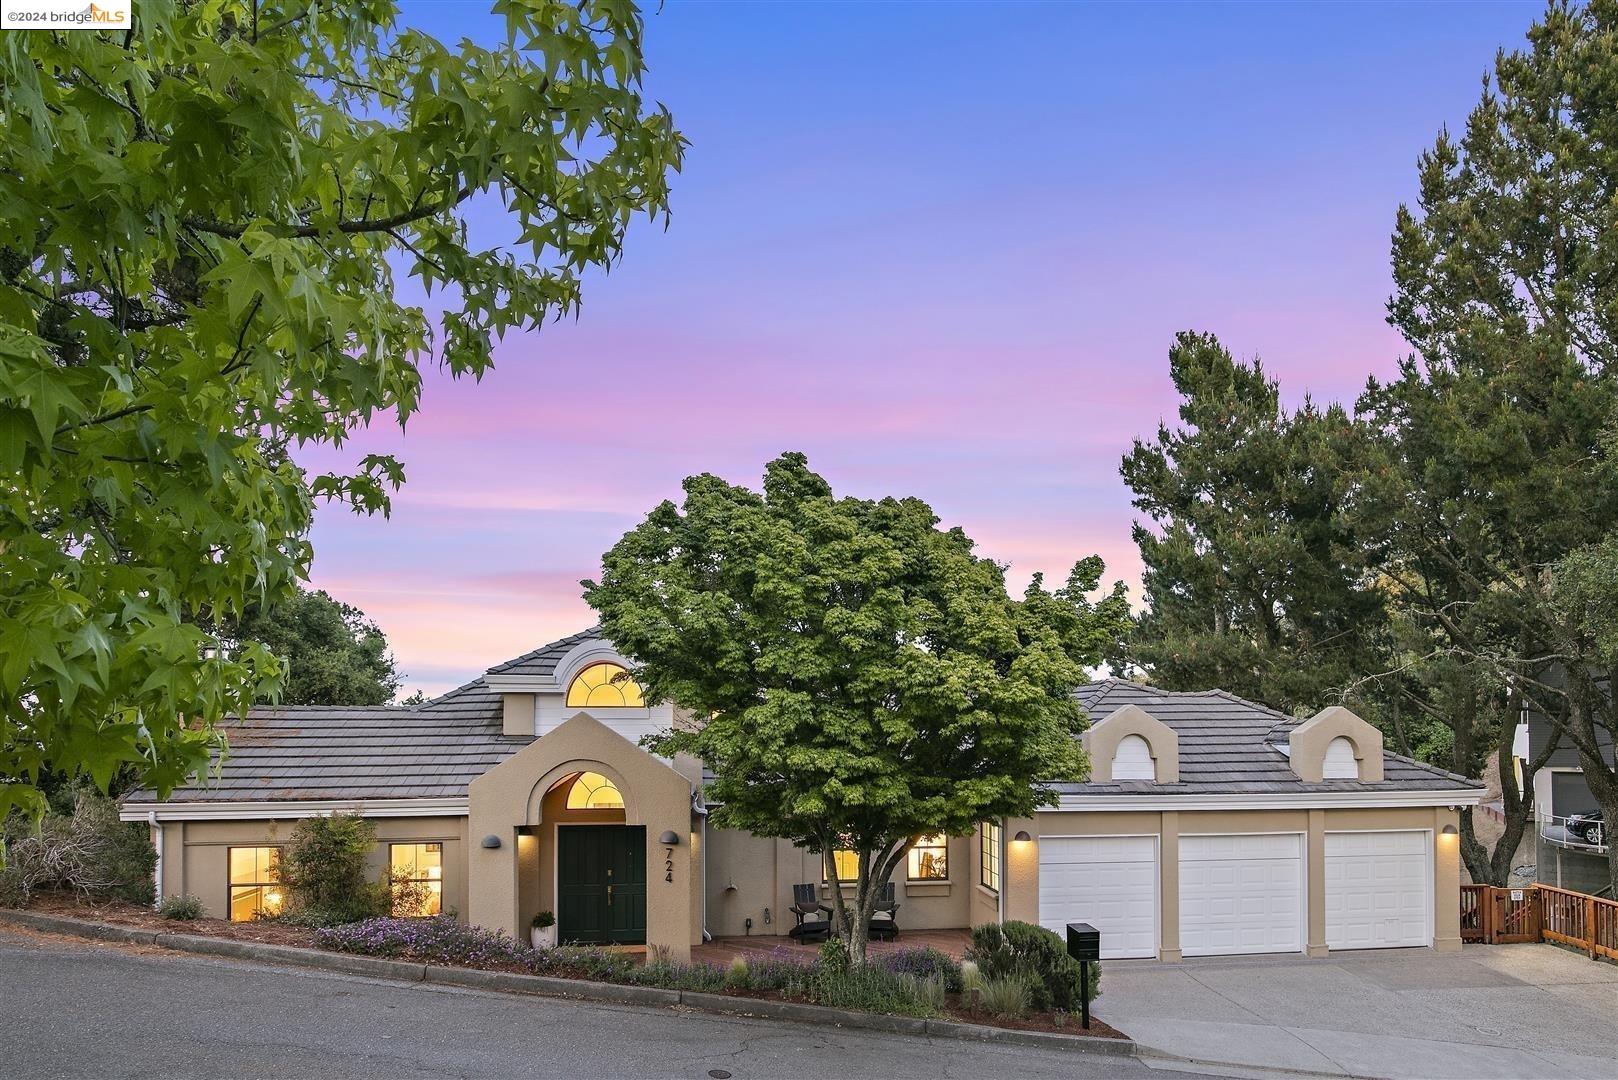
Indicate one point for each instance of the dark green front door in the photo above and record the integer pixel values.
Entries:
(601, 884)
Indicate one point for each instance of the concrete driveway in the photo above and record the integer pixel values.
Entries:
(1489, 1011)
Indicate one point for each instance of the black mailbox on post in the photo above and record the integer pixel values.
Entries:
(1084, 945)
(1083, 941)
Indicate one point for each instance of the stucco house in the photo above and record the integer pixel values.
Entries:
(1210, 825)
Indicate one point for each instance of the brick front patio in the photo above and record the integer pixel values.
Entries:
(723, 950)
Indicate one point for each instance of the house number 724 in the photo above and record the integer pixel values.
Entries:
(668, 864)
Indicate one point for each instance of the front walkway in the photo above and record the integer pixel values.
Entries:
(1488, 1011)
(723, 950)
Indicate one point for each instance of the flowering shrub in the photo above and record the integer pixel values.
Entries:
(909, 983)
(183, 908)
(923, 962)
(438, 940)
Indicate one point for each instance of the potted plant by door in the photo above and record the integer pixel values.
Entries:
(542, 931)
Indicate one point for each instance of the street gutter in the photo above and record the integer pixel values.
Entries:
(577, 989)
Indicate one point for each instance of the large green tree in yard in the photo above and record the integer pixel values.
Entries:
(330, 653)
(1480, 481)
(203, 220)
(1253, 581)
(860, 677)
(1490, 486)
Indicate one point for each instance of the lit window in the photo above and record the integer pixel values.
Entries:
(929, 859)
(989, 856)
(417, 873)
(848, 865)
(604, 686)
(592, 791)
(255, 882)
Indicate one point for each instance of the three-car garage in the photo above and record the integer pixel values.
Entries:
(1214, 826)
(1240, 893)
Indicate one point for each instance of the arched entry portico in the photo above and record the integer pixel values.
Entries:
(602, 868)
(595, 878)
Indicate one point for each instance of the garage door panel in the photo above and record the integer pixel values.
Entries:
(1378, 890)
(1241, 893)
(1107, 881)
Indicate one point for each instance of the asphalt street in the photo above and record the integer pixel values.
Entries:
(76, 1009)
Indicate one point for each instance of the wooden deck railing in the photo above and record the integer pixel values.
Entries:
(1540, 913)
(1586, 922)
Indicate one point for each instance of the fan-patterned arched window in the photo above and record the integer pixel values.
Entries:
(592, 791)
(604, 686)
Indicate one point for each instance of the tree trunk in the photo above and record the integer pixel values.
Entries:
(853, 923)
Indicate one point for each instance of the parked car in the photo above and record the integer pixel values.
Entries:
(1587, 828)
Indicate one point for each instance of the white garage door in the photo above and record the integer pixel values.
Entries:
(1241, 893)
(1378, 890)
(1109, 882)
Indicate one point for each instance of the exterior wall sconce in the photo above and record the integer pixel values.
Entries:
(491, 841)
(669, 839)
(1450, 830)
(1022, 836)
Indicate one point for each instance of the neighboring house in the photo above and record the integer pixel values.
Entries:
(1568, 859)
(1210, 825)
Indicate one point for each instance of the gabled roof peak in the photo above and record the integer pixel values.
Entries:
(542, 661)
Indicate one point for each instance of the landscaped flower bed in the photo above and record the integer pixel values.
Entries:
(914, 982)
(918, 982)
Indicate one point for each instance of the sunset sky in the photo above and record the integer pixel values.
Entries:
(940, 248)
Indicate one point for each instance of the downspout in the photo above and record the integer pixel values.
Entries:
(157, 867)
(706, 936)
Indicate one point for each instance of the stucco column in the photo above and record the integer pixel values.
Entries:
(1446, 882)
(1315, 860)
(1168, 887)
(491, 873)
(1020, 875)
(173, 883)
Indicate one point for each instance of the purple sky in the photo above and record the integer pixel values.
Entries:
(942, 249)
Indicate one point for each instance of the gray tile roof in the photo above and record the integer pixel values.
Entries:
(1229, 746)
(435, 750)
(312, 752)
(543, 660)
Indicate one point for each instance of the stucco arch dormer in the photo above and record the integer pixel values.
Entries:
(1308, 744)
(1102, 742)
(586, 654)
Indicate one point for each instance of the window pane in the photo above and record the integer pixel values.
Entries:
(418, 878)
(848, 865)
(592, 791)
(989, 856)
(604, 685)
(929, 859)
(255, 875)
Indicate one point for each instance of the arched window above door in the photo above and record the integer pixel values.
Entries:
(592, 791)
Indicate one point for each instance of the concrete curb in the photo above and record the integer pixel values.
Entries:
(1150, 1054)
(579, 989)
